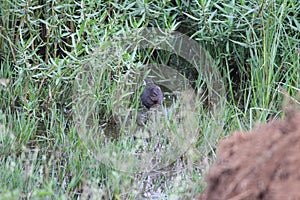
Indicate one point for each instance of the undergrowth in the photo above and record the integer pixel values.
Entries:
(70, 97)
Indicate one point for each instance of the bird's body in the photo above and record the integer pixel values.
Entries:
(152, 94)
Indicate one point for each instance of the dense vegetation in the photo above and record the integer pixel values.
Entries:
(47, 51)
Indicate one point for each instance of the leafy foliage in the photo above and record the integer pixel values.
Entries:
(46, 45)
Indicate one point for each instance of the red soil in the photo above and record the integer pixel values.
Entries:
(261, 164)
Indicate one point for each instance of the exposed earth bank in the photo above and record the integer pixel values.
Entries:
(261, 164)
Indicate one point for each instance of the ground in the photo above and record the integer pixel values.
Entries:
(261, 164)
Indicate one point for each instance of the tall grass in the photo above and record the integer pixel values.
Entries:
(47, 51)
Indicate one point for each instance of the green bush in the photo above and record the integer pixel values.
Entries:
(46, 45)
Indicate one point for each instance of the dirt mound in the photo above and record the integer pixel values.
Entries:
(261, 164)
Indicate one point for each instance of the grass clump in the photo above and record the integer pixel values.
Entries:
(68, 114)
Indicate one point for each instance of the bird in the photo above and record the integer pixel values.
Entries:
(152, 95)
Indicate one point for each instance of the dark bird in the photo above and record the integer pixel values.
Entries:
(152, 94)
